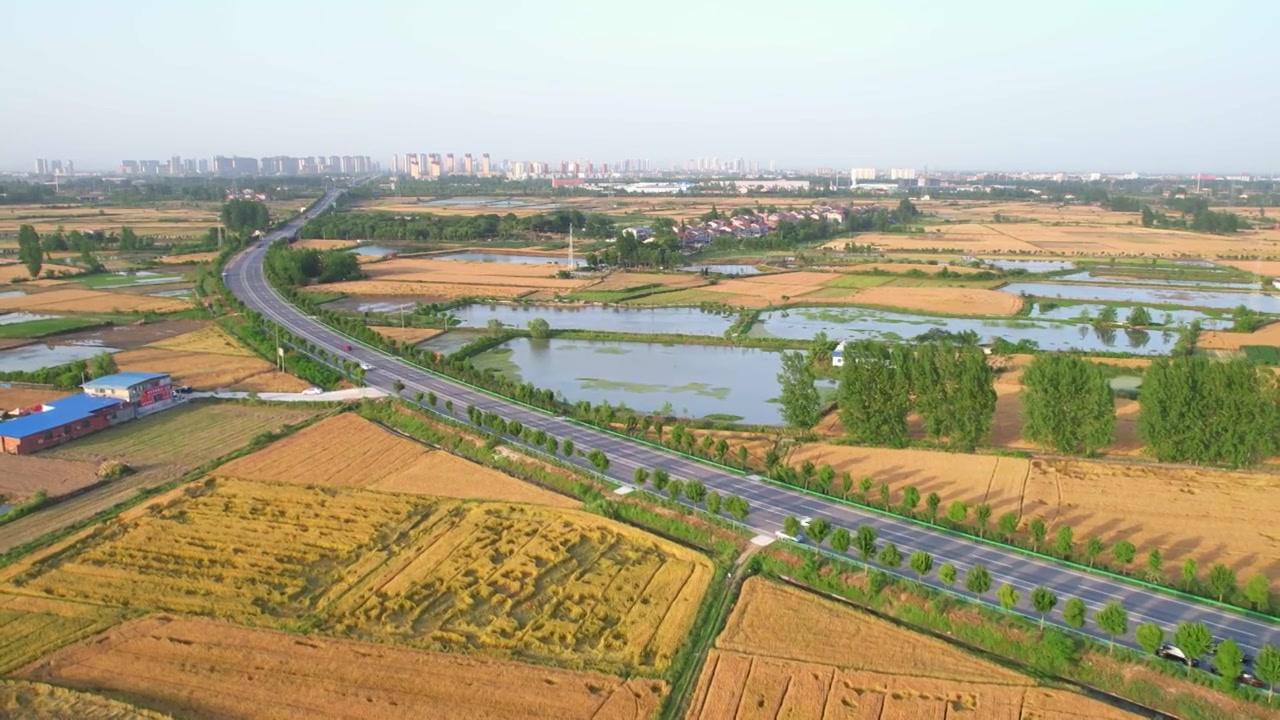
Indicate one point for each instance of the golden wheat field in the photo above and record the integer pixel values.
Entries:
(425, 292)
(209, 359)
(17, 271)
(31, 627)
(786, 653)
(74, 300)
(952, 300)
(39, 701)
(201, 257)
(521, 581)
(410, 335)
(318, 244)
(228, 549)
(195, 668)
(349, 451)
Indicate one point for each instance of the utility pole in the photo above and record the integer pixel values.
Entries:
(571, 266)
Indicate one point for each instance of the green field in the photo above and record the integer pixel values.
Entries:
(1265, 354)
(693, 296)
(858, 282)
(111, 279)
(46, 326)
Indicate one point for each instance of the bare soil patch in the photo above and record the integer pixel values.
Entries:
(772, 289)
(22, 476)
(624, 280)
(1222, 340)
(775, 658)
(195, 668)
(61, 299)
(135, 334)
(410, 335)
(188, 258)
(12, 398)
(955, 301)
(1266, 268)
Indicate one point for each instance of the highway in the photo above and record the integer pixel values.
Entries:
(770, 504)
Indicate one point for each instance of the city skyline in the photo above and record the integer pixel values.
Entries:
(989, 85)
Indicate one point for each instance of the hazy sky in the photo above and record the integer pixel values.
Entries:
(1112, 85)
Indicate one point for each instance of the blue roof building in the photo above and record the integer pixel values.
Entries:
(67, 418)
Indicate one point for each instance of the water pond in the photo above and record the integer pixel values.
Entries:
(38, 355)
(375, 250)
(452, 341)
(724, 269)
(865, 324)
(1088, 276)
(1148, 295)
(693, 381)
(685, 321)
(472, 256)
(1031, 266)
(1176, 317)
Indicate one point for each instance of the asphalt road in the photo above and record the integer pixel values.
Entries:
(770, 504)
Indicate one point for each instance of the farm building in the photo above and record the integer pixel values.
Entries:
(148, 392)
(58, 421)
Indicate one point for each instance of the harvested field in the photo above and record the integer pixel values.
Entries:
(424, 292)
(697, 296)
(61, 299)
(135, 334)
(773, 289)
(209, 339)
(326, 455)
(188, 258)
(171, 219)
(776, 659)
(1266, 268)
(209, 359)
(623, 280)
(195, 668)
(12, 398)
(31, 627)
(899, 268)
(1221, 340)
(22, 476)
(459, 272)
(954, 301)
(318, 244)
(520, 581)
(229, 549)
(17, 271)
(38, 701)
(410, 335)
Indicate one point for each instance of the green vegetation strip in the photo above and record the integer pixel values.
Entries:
(47, 326)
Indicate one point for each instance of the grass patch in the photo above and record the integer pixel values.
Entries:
(47, 326)
(855, 282)
(108, 280)
(1265, 354)
(692, 296)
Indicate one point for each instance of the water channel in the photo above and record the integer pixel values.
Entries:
(681, 320)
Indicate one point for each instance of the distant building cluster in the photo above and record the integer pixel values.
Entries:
(431, 166)
(697, 236)
(55, 168)
(236, 166)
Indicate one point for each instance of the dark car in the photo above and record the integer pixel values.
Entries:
(1250, 680)
(1174, 653)
(184, 390)
(1213, 650)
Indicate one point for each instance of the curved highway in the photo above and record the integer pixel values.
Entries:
(770, 504)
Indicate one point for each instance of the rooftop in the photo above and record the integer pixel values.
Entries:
(123, 379)
(65, 410)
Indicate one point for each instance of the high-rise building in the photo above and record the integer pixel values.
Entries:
(175, 165)
(413, 165)
(773, 167)
(448, 168)
(203, 167)
(485, 166)
(864, 174)
(468, 164)
(395, 164)
(902, 174)
(42, 166)
(70, 169)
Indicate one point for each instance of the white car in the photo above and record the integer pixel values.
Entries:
(804, 521)
(365, 366)
(312, 391)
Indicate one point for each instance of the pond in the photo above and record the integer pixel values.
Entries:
(692, 381)
(865, 324)
(452, 341)
(1148, 296)
(375, 250)
(1031, 266)
(1176, 317)
(1089, 276)
(724, 269)
(38, 355)
(473, 256)
(11, 294)
(378, 303)
(180, 293)
(14, 318)
(685, 321)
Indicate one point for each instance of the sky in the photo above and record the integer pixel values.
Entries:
(1110, 86)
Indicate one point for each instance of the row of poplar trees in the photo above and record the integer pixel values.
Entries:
(949, 386)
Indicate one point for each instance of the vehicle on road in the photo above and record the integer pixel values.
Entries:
(1213, 650)
(347, 348)
(312, 391)
(184, 390)
(365, 366)
(783, 536)
(1174, 653)
(805, 521)
(1250, 680)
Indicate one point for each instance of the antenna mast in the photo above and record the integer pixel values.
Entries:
(571, 265)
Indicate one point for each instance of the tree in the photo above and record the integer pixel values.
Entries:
(245, 216)
(1107, 315)
(598, 460)
(864, 541)
(742, 455)
(932, 502)
(801, 404)
(539, 329)
(820, 350)
(1155, 561)
(874, 395)
(921, 563)
(978, 580)
(818, 530)
(841, 540)
(791, 526)
(1008, 596)
(910, 499)
(737, 507)
(1114, 621)
(1093, 548)
(566, 447)
(1267, 667)
(1258, 592)
(552, 445)
(1150, 637)
(29, 250)
(1229, 660)
(1007, 525)
(1148, 217)
(695, 491)
(1123, 552)
(722, 449)
(675, 489)
(889, 556)
(495, 326)
(1221, 581)
(1039, 531)
(1043, 599)
(713, 502)
(954, 391)
(983, 514)
(957, 512)
(1064, 541)
(826, 475)
(1139, 317)
(640, 476)
(102, 364)
(1189, 574)
(884, 495)
(1193, 638)
(660, 479)
(1067, 404)
(947, 574)
(398, 386)
(1073, 613)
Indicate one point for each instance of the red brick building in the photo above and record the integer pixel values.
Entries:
(61, 420)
